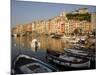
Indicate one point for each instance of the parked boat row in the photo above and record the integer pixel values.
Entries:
(67, 60)
(74, 39)
(18, 35)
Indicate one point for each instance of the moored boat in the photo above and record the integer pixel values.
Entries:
(68, 60)
(80, 53)
(27, 65)
(75, 51)
(56, 36)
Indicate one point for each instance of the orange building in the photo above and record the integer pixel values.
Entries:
(29, 27)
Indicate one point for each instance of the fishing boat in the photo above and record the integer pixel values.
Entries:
(27, 65)
(56, 36)
(80, 53)
(75, 51)
(67, 60)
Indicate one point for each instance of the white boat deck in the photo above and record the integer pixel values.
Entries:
(74, 51)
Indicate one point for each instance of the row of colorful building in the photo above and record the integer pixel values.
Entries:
(59, 24)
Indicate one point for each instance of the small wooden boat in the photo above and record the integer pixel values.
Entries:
(80, 53)
(28, 65)
(68, 60)
(75, 51)
(56, 36)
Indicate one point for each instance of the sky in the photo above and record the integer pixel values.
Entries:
(23, 12)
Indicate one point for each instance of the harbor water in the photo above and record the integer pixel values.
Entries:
(22, 45)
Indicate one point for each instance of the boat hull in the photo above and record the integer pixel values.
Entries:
(68, 63)
(80, 53)
(26, 65)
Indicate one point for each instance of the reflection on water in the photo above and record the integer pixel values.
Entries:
(22, 45)
(46, 42)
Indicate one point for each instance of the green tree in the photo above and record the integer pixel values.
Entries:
(77, 31)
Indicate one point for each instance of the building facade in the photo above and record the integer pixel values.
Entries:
(59, 25)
